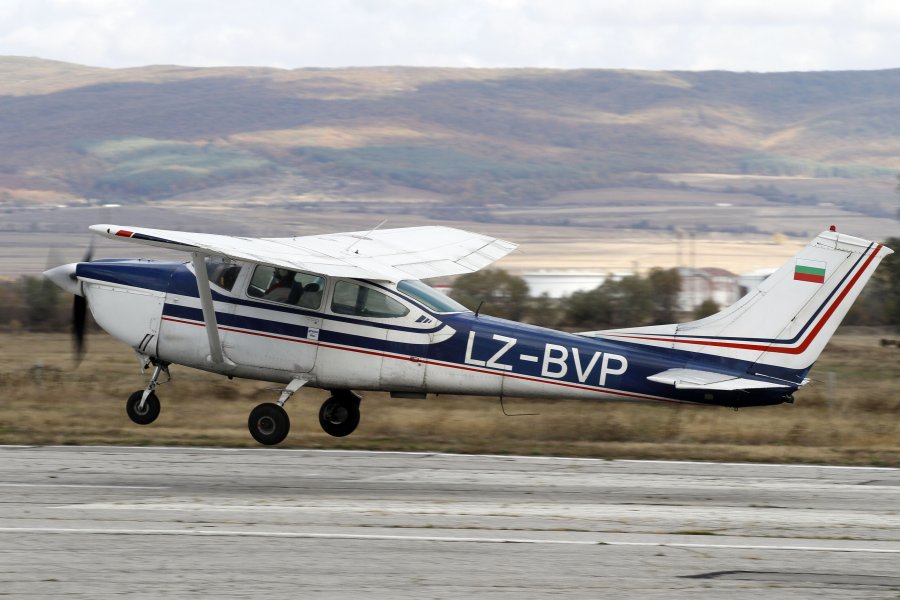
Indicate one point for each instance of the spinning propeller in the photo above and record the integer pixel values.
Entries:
(63, 275)
(79, 311)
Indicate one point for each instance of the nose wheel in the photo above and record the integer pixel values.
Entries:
(339, 415)
(143, 405)
(142, 413)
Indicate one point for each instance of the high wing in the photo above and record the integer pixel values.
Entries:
(385, 255)
(695, 379)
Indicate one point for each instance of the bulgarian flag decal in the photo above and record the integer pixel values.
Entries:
(809, 270)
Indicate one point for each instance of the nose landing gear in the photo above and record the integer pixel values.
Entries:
(143, 405)
(142, 410)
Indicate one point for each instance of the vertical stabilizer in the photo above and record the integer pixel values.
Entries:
(786, 321)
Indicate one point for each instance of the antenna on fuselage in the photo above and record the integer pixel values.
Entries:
(478, 310)
(503, 408)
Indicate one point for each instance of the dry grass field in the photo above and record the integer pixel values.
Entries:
(848, 415)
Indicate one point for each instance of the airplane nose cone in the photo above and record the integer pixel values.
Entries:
(64, 277)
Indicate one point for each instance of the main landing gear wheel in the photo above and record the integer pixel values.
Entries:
(269, 424)
(339, 415)
(142, 415)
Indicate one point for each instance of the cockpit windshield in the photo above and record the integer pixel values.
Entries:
(430, 297)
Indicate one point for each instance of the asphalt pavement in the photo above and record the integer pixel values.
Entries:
(103, 522)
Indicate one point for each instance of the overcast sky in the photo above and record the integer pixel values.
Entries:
(741, 35)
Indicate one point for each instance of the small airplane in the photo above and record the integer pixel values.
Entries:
(349, 311)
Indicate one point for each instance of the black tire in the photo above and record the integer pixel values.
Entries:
(146, 415)
(269, 424)
(339, 415)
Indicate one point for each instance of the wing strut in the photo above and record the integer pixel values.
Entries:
(209, 311)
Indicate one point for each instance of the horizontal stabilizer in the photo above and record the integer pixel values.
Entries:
(694, 379)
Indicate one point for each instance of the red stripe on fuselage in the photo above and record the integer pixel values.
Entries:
(257, 333)
(437, 364)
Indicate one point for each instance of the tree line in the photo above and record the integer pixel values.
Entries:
(34, 304)
(632, 300)
(649, 300)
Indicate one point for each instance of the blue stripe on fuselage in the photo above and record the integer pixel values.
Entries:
(239, 321)
(147, 274)
(643, 360)
(583, 361)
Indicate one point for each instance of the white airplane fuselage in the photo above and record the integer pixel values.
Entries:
(255, 309)
(154, 307)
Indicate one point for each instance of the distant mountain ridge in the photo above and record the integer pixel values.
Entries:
(473, 136)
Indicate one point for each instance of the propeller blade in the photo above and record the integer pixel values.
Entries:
(63, 275)
(89, 253)
(79, 319)
(54, 258)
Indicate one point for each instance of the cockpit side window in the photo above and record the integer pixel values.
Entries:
(222, 272)
(286, 286)
(358, 300)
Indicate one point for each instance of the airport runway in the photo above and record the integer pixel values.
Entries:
(99, 522)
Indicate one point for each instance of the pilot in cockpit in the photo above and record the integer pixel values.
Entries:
(280, 288)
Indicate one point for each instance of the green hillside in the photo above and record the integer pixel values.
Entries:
(461, 136)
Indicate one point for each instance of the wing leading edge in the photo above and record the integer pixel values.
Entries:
(385, 255)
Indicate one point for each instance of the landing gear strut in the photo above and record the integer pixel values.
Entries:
(269, 423)
(143, 405)
(339, 415)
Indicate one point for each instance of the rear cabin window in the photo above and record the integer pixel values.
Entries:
(222, 272)
(354, 299)
(286, 286)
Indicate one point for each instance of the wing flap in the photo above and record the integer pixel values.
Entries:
(388, 254)
(695, 379)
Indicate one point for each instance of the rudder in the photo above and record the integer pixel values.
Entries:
(786, 322)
